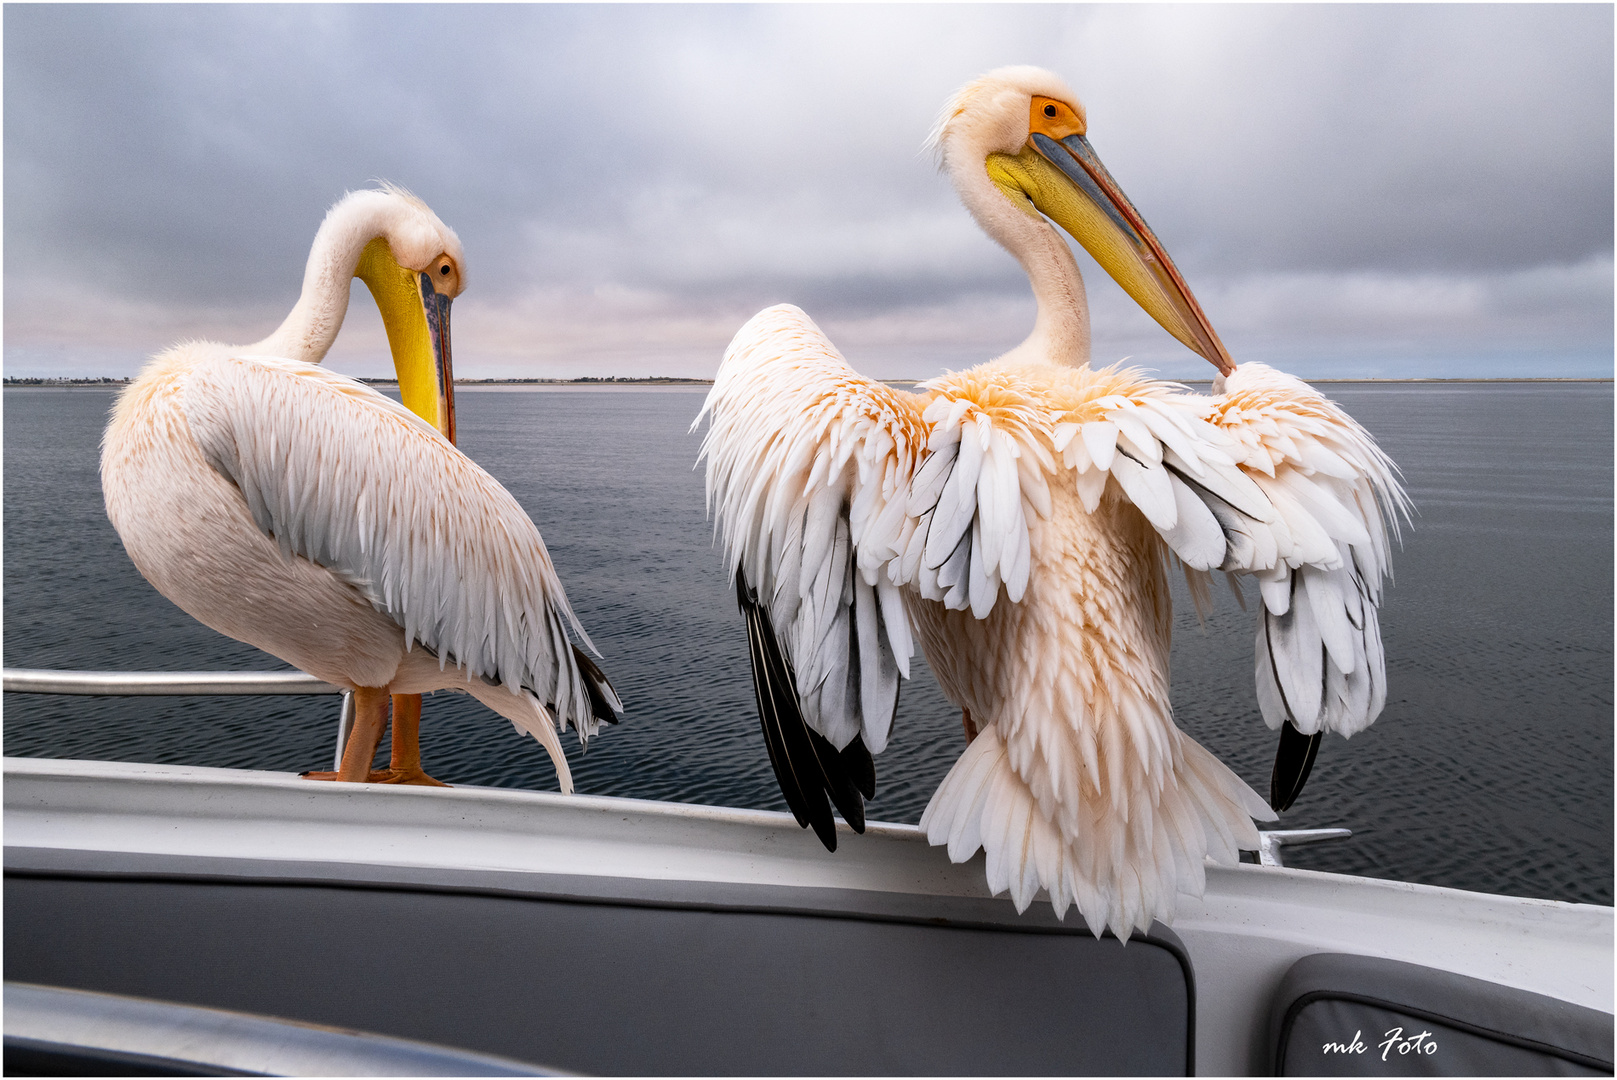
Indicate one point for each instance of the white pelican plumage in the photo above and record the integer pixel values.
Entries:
(304, 513)
(1019, 519)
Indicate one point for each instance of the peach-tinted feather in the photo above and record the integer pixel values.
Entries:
(1026, 512)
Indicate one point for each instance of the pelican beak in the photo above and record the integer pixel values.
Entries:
(416, 316)
(1058, 172)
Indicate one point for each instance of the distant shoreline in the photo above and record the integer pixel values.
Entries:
(586, 381)
(613, 382)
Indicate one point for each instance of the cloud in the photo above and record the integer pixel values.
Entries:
(1346, 185)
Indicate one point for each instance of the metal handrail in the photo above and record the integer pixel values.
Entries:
(176, 683)
(144, 683)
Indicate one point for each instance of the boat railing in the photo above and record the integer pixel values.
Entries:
(187, 683)
(142, 683)
(182, 684)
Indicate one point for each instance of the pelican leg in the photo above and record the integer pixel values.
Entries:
(407, 744)
(370, 720)
(965, 722)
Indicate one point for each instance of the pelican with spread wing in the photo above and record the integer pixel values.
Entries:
(304, 513)
(1019, 519)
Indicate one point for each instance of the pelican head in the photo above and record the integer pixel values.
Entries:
(413, 265)
(1014, 141)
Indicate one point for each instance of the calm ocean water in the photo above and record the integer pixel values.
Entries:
(1490, 769)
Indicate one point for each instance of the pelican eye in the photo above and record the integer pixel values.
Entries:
(1049, 110)
(444, 269)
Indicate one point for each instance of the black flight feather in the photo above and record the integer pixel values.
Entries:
(807, 766)
(856, 761)
(597, 685)
(1294, 757)
(773, 694)
(1294, 760)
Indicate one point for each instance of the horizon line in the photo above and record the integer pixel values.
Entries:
(652, 380)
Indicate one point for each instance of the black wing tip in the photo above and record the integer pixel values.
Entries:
(596, 684)
(1294, 760)
(776, 701)
(860, 767)
(826, 829)
(840, 784)
(811, 773)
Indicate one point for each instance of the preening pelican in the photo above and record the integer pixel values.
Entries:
(303, 512)
(1019, 519)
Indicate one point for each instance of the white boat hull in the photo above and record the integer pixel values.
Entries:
(1252, 924)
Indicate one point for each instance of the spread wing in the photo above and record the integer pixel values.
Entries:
(832, 493)
(1320, 665)
(808, 472)
(354, 482)
(1266, 477)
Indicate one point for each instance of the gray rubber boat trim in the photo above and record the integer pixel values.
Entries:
(1502, 1014)
(961, 912)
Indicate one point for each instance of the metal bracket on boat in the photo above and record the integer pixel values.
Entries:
(1270, 843)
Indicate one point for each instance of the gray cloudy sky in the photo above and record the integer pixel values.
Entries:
(1379, 190)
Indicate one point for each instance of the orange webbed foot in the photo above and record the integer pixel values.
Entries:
(375, 776)
(407, 776)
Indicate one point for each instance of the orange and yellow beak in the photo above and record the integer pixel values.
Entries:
(1060, 175)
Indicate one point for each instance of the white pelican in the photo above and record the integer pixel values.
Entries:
(1019, 518)
(303, 512)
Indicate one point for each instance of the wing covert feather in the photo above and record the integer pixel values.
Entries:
(985, 477)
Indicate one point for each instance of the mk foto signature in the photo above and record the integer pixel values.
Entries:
(1395, 1041)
